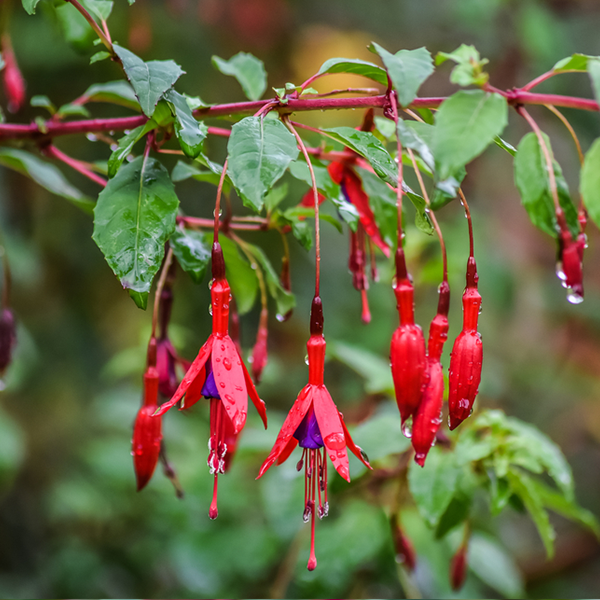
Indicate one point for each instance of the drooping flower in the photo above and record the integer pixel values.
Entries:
(147, 430)
(467, 354)
(569, 266)
(407, 351)
(316, 425)
(14, 84)
(219, 373)
(427, 418)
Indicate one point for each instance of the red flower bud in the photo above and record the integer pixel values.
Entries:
(467, 354)
(458, 568)
(14, 84)
(407, 352)
(8, 338)
(147, 432)
(260, 356)
(405, 553)
(569, 267)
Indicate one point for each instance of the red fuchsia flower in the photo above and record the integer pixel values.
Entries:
(14, 84)
(428, 416)
(407, 351)
(219, 373)
(260, 355)
(405, 552)
(147, 430)
(467, 354)
(315, 424)
(569, 267)
(458, 567)
(8, 338)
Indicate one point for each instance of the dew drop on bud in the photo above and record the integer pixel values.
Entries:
(306, 359)
(91, 137)
(574, 297)
(560, 272)
(210, 312)
(280, 317)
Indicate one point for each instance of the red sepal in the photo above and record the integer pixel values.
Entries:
(356, 450)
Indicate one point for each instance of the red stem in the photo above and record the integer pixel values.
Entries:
(78, 165)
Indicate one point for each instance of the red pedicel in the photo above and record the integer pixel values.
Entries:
(427, 419)
(467, 354)
(407, 351)
(147, 431)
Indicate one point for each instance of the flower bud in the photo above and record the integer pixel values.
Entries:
(458, 568)
(14, 84)
(259, 352)
(147, 432)
(166, 359)
(405, 553)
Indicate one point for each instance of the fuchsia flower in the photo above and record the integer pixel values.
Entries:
(260, 355)
(219, 373)
(569, 267)
(467, 354)
(407, 351)
(315, 423)
(427, 418)
(147, 430)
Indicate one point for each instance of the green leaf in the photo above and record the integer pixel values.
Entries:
(433, 486)
(566, 507)
(150, 80)
(44, 174)
(575, 62)
(407, 69)
(100, 9)
(531, 178)
(275, 196)
(67, 110)
(43, 102)
(505, 146)
(134, 216)
(354, 66)
(372, 367)
(593, 69)
(386, 127)
(590, 181)
(465, 125)
(522, 485)
(409, 136)
(125, 146)
(259, 152)
(192, 250)
(285, 300)
(183, 171)
(113, 92)
(30, 6)
(347, 211)
(98, 56)
(469, 66)
(189, 131)
(369, 147)
(304, 212)
(495, 566)
(325, 185)
(76, 30)
(248, 70)
(241, 276)
(457, 512)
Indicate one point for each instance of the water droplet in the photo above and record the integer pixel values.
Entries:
(335, 441)
(407, 427)
(223, 347)
(306, 359)
(280, 317)
(574, 297)
(91, 137)
(239, 388)
(222, 384)
(227, 363)
(210, 309)
(210, 284)
(217, 360)
(228, 398)
(560, 272)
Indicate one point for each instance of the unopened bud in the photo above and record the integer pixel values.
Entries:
(458, 568)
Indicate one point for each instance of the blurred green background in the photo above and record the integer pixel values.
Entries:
(71, 523)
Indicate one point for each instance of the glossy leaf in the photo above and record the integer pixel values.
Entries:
(407, 69)
(125, 146)
(98, 56)
(248, 70)
(522, 486)
(100, 9)
(465, 125)
(189, 131)
(192, 250)
(410, 137)
(30, 6)
(532, 180)
(356, 67)
(275, 196)
(44, 174)
(70, 110)
(433, 486)
(150, 80)
(285, 300)
(113, 92)
(369, 147)
(260, 151)
(505, 146)
(183, 171)
(134, 217)
(575, 62)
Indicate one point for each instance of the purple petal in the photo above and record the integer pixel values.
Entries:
(308, 433)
